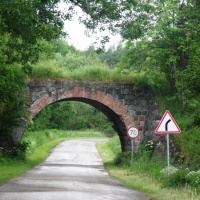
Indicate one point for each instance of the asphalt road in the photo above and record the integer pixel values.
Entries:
(73, 171)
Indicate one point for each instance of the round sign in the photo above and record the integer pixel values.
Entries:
(133, 132)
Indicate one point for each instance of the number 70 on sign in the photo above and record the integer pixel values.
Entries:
(133, 132)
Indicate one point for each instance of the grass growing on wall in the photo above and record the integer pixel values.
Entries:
(94, 73)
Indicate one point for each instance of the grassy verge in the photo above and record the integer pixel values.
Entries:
(11, 168)
(41, 144)
(141, 179)
(94, 73)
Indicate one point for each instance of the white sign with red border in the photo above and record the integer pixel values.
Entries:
(167, 125)
(133, 132)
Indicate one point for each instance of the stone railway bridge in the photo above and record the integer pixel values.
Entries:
(124, 104)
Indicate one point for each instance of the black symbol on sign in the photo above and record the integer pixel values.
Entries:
(166, 124)
(133, 132)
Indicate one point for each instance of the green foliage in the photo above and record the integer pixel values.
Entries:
(138, 58)
(114, 145)
(189, 141)
(166, 46)
(47, 69)
(17, 151)
(93, 73)
(163, 44)
(12, 99)
(189, 83)
(61, 116)
(193, 179)
(96, 73)
(61, 113)
(26, 22)
(112, 56)
(147, 165)
(55, 116)
(108, 130)
(123, 159)
(35, 139)
(72, 64)
(63, 48)
(180, 177)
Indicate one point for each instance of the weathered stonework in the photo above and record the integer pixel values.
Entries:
(124, 104)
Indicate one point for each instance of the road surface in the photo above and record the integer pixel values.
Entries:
(73, 171)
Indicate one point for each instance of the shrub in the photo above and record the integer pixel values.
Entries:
(12, 99)
(109, 132)
(193, 178)
(123, 159)
(18, 151)
(178, 178)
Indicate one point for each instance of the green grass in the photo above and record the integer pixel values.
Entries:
(41, 145)
(11, 168)
(96, 73)
(144, 176)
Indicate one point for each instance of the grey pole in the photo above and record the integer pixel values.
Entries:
(168, 166)
(132, 147)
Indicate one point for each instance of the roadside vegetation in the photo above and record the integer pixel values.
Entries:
(149, 174)
(37, 146)
(161, 49)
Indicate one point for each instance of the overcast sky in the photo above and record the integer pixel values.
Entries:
(78, 38)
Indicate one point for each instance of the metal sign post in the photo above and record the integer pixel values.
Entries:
(168, 165)
(132, 148)
(133, 132)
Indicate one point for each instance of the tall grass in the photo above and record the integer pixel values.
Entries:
(47, 70)
(96, 73)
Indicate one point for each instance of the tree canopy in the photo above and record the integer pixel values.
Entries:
(162, 43)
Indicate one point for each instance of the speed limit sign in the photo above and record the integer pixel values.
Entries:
(133, 132)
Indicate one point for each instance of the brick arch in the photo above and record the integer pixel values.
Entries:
(111, 107)
(83, 94)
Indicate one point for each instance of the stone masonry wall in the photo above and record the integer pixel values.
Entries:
(124, 104)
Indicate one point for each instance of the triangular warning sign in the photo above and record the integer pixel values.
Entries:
(167, 125)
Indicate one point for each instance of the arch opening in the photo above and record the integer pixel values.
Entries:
(118, 125)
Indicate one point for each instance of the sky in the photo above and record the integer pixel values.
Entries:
(78, 38)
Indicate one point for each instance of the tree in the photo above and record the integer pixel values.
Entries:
(112, 56)
(71, 116)
(12, 102)
(26, 22)
(170, 28)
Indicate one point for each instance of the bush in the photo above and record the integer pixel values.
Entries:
(178, 178)
(123, 159)
(189, 141)
(12, 99)
(18, 151)
(193, 178)
(109, 132)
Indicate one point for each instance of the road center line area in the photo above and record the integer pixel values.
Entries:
(73, 171)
